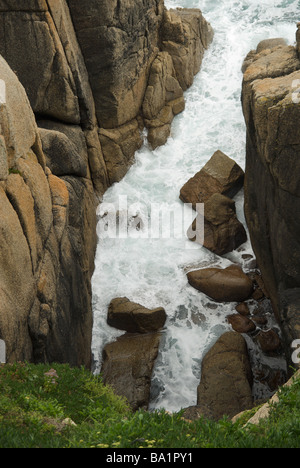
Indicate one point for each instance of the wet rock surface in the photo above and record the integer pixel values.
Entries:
(220, 174)
(134, 318)
(230, 284)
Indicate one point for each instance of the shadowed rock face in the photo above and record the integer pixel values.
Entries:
(128, 365)
(226, 379)
(272, 114)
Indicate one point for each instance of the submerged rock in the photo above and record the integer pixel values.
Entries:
(240, 323)
(220, 174)
(134, 318)
(269, 340)
(223, 285)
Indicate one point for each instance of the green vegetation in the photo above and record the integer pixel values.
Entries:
(57, 406)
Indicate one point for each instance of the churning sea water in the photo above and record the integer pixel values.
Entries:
(151, 270)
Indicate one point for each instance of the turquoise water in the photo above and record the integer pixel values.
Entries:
(152, 271)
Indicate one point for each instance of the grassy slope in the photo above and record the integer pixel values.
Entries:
(35, 407)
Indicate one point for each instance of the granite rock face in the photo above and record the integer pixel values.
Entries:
(137, 55)
(47, 244)
(75, 80)
(271, 107)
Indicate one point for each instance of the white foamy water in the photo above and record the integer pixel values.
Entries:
(153, 271)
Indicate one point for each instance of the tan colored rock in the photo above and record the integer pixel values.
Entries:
(186, 35)
(47, 244)
(3, 159)
(119, 146)
(22, 200)
(16, 283)
(162, 91)
(96, 161)
(159, 129)
(35, 178)
(270, 63)
(163, 86)
(60, 201)
(220, 174)
(230, 284)
(86, 83)
(270, 44)
(158, 136)
(19, 134)
(226, 377)
(133, 317)
(52, 91)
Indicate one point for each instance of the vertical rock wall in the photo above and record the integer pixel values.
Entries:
(271, 108)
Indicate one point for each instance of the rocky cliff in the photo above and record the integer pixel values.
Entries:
(271, 108)
(79, 81)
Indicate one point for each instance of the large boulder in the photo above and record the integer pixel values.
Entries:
(134, 318)
(220, 174)
(223, 232)
(230, 284)
(128, 364)
(226, 378)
